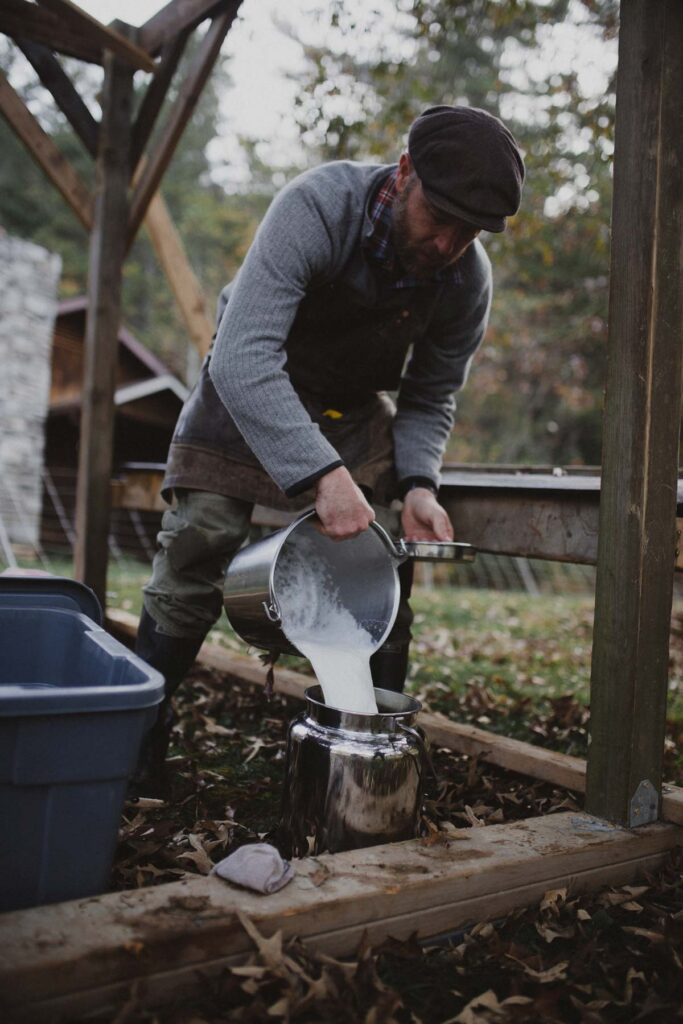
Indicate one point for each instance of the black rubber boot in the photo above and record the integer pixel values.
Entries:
(173, 657)
(389, 666)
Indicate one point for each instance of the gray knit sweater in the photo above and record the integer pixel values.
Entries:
(307, 237)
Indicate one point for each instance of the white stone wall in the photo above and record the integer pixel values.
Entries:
(29, 276)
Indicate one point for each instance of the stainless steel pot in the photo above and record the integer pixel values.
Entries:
(364, 570)
(252, 601)
(352, 780)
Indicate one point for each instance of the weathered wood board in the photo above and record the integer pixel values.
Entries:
(87, 953)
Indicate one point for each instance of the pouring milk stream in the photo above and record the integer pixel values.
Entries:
(317, 623)
(335, 603)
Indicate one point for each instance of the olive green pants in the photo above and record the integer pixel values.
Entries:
(198, 537)
(197, 540)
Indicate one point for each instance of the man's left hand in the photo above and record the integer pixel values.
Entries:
(423, 518)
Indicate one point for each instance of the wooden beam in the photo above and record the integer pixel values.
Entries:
(185, 103)
(107, 250)
(561, 526)
(514, 755)
(184, 284)
(558, 527)
(154, 97)
(83, 956)
(99, 35)
(642, 417)
(45, 153)
(22, 20)
(498, 478)
(176, 17)
(64, 93)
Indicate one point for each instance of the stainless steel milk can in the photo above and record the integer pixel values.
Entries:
(352, 780)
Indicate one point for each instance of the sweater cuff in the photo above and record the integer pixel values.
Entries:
(409, 483)
(308, 481)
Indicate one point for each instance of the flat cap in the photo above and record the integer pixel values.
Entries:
(468, 163)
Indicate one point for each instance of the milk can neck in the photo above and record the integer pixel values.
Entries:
(395, 709)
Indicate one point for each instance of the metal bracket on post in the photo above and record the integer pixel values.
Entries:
(644, 806)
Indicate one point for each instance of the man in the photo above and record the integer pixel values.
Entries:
(361, 280)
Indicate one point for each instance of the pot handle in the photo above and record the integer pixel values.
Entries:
(272, 611)
(434, 551)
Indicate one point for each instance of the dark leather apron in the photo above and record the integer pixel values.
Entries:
(346, 347)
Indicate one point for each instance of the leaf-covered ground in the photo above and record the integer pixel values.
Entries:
(226, 776)
(612, 957)
(509, 663)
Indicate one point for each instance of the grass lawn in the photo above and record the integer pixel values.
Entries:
(504, 660)
(509, 642)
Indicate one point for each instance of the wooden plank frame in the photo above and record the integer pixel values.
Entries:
(188, 931)
(534, 522)
(521, 519)
(76, 957)
(157, 943)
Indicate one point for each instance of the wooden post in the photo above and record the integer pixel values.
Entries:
(636, 551)
(107, 250)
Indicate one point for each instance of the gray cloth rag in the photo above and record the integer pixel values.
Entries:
(257, 866)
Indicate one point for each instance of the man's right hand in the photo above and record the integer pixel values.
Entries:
(342, 509)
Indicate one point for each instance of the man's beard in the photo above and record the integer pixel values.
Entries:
(412, 255)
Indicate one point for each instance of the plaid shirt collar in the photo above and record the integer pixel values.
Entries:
(379, 244)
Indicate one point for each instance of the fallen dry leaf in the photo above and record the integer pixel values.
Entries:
(553, 900)
(270, 949)
(558, 972)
